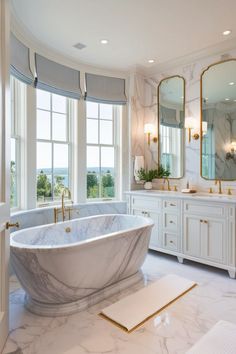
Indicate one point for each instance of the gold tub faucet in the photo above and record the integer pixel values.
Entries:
(64, 209)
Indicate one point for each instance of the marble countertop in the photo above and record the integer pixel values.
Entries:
(200, 196)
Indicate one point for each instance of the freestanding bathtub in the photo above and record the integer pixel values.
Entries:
(71, 265)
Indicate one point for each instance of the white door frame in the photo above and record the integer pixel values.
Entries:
(4, 169)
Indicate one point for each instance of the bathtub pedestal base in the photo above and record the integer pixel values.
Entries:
(54, 310)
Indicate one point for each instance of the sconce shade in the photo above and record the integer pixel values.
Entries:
(148, 128)
(189, 123)
(204, 128)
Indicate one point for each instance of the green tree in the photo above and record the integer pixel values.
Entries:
(59, 185)
(44, 186)
(108, 185)
(92, 185)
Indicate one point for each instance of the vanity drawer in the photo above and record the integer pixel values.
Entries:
(146, 203)
(207, 209)
(171, 204)
(170, 241)
(171, 222)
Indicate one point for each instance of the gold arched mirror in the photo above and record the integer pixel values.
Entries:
(218, 121)
(171, 115)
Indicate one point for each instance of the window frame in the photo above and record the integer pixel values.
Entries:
(18, 92)
(67, 142)
(116, 143)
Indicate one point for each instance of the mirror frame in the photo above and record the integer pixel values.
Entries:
(158, 120)
(201, 106)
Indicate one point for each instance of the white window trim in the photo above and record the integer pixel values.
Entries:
(117, 114)
(68, 142)
(78, 173)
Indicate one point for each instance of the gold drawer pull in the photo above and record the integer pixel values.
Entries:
(8, 225)
(205, 221)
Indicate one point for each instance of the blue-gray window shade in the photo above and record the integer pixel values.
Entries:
(169, 117)
(20, 61)
(104, 89)
(57, 78)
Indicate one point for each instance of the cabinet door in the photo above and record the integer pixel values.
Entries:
(192, 236)
(155, 240)
(213, 240)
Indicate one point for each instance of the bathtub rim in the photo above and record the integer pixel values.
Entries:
(85, 243)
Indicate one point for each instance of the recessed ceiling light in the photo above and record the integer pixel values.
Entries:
(231, 83)
(103, 41)
(226, 99)
(151, 61)
(226, 32)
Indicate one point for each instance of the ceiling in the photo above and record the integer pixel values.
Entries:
(137, 30)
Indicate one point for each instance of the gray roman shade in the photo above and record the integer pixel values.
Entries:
(20, 61)
(104, 89)
(57, 78)
(170, 117)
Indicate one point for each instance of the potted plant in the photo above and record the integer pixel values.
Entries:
(147, 176)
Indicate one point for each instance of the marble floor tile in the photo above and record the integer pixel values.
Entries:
(173, 331)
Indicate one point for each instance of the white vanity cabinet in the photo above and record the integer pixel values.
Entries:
(149, 207)
(191, 227)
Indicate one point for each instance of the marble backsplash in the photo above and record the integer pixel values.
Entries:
(147, 113)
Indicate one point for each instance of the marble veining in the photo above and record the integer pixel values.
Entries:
(145, 111)
(43, 216)
(173, 331)
(60, 264)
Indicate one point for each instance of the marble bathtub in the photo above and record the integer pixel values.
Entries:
(69, 266)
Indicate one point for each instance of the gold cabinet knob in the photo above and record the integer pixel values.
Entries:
(8, 225)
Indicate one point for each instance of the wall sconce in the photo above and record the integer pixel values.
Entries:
(204, 128)
(231, 154)
(149, 129)
(190, 124)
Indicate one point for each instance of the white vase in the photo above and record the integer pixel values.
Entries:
(148, 185)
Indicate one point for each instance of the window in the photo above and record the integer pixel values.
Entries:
(53, 146)
(102, 149)
(17, 90)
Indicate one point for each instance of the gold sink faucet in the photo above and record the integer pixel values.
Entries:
(63, 209)
(219, 183)
(168, 183)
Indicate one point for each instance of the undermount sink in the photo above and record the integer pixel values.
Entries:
(214, 195)
(195, 195)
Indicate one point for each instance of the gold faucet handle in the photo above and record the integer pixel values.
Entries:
(211, 190)
(9, 225)
(229, 191)
(175, 188)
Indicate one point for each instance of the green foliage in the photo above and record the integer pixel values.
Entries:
(44, 187)
(59, 186)
(149, 175)
(108, 185)
(92, 185)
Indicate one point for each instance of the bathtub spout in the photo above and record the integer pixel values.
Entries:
(64, 209)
